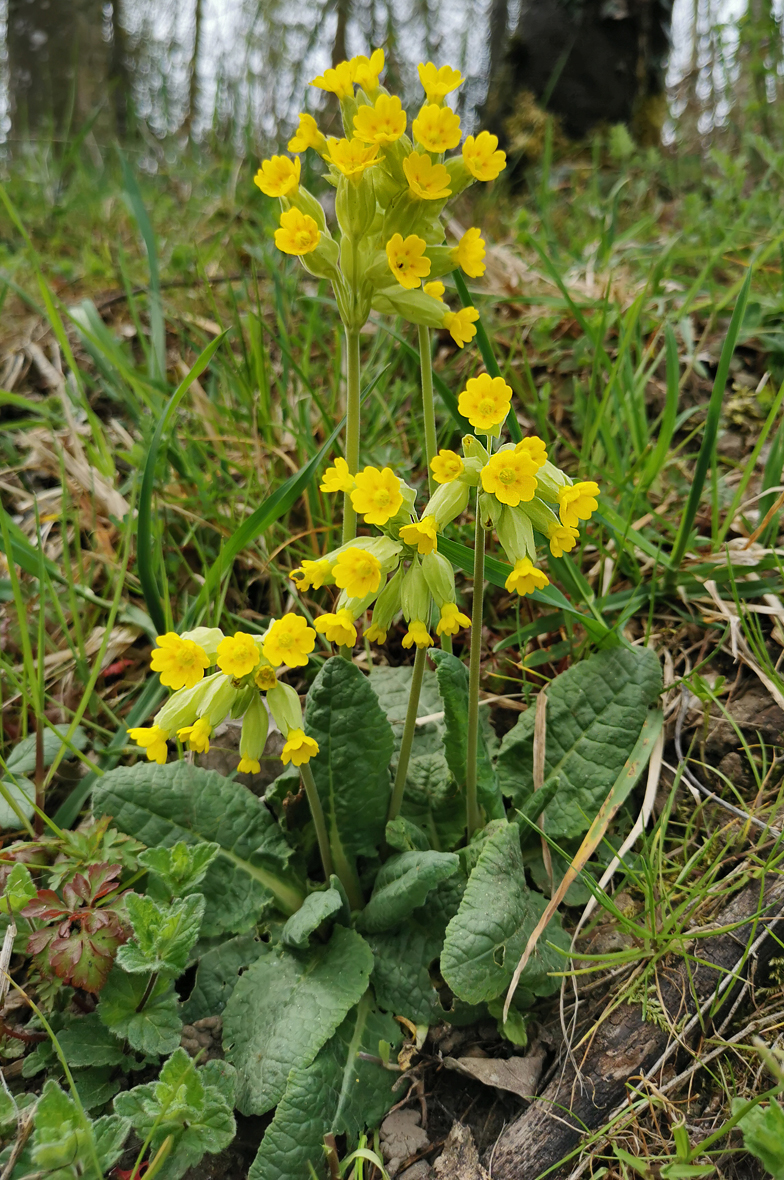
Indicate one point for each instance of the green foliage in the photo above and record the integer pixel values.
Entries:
(67, 1144)
(452, 677)
(316, 909)
(164, 805)
(340, 1092)
(162, 935)
(264, 1033)
(193, 1106)
(19, 890)
(488, 934)
(763, 1135)
(22, 759)
(217, 974)
(402, 885)
(153, 1028)
(181, 868)
(595, 711)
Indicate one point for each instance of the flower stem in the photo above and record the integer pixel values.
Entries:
(409, 729)
(317, 812)
(352, 428)
(472, 804)
(428, 405)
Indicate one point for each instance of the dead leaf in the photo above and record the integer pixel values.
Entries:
(519, 1075)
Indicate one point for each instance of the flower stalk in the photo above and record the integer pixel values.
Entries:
(409, 729)
(473, 818)
(317, 814)
(352, 428)
(428, 404)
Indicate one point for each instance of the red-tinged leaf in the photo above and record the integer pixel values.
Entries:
(39, 940)
(84, 960)
(46, 905)
(77, 892)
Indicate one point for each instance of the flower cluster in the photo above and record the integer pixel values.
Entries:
(391, 191)
(398, 570)
(246, 676)
(521, 491)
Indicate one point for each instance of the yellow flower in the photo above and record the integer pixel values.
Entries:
(452, 619)
(426, 180)
(563, 539)
(438, 83)
(577, 502)
(377, 495)
(265, 678)
(525, 577)
(181, 662)
(339, 627)
(382, 123)
(535, 447)
(460, 324)
(278, 176)
(311, 573)
(406, 257)
(358, 572)
(197, 735)
(485, 401)
(437, 128)
(352, 156)
(239, 655)
(337, 478)
(152, 741)
(289, 641)
(481, 157)
(299, 748)
(446, 466)
(435, 290)
(248, 765)
(339, 81)
(298, 233)
(509, 477)
(417, 634)
(469, 253)
(366, 70)
(423, 534)
(375, 634)
(307, 135)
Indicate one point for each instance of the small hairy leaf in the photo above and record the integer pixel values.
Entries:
(402, 885)
(65, 1138)
(162, 805)
(154, 1030)
(488, 934)
(339, 1092)
(182, 867)
(595, 711)
(285, 1007)
(763, 1135)
(163, 935)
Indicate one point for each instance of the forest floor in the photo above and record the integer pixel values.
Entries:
(608, 293)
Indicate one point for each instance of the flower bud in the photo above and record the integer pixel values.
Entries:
(473, 449)
(448, 501)
(516, 534)
(355, 203)
(414, 593)
(440, 577)
(253, 736)
(387, 603)
(414, 306)
(441, 260)
(459, 176)
(285, 707)
(541, 517)
(308, 204)
(217, 703)
(549, 479)
(242, 701)
(182, 707)
(323, 261)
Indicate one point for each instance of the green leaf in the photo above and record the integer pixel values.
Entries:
(452, 677)
(405, 836)
(110, 1133)
(402, 958)
(163, 935)
(22, 793)
(392, 687)
(64, 1143)
(19, 889)
(339, 1092)
(192, 1106)
(352, 769)
(315, 909)
(595, 711)
(162, 805)
(154, 1030)
(96, 1086)
(402, 885)
(433, 800)
(85, 1041)
(285, 1007)
(217, 974)
(763, 1135)
(22, 758)
(182, 867)
(487, 936)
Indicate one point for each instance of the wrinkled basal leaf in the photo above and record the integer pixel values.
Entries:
(217, 974)
(434, 802)
(285, 1007)
(595, 711)
(402, 885)
(488, 934)
(452, 675)
(162, 805)
(340, 1092)
(316, 908)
